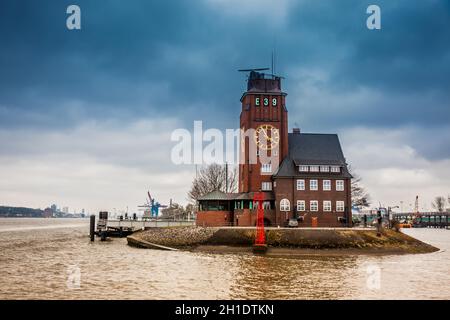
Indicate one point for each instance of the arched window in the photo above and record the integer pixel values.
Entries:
(285, 205)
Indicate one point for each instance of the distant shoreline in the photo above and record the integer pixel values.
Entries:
(49, 218)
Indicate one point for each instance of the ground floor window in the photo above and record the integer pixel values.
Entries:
(327, 205)
(285, 205)
(340, 206)
(301, 205)
(314, 205)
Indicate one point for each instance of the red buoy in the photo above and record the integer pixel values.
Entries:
(260, 245)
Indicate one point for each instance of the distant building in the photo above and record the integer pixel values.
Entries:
(65, 210)
(48, 213)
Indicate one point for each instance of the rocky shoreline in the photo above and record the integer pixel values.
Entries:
(282, 241)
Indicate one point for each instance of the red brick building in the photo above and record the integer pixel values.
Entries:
(304, 176)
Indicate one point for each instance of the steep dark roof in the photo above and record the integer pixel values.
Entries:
(312, 149)
(219, 195)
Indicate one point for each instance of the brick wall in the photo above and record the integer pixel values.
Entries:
(253, 116)
(214, 218)
(287, 189)
(247, 217)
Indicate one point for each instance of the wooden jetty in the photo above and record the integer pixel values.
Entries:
(124, 227)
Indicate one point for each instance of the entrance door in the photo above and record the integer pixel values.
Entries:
(314, 222)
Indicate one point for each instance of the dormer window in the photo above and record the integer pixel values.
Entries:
(335, 169)
(324, 169)
(303, 168)
(314, 168)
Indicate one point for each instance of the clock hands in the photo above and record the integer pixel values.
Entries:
(269, 141)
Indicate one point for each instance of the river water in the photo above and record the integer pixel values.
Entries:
(53, 259)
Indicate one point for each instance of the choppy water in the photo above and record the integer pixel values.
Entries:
(49, 258)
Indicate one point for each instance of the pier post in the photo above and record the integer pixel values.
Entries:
(92, 228)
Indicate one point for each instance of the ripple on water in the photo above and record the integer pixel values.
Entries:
(36, 265)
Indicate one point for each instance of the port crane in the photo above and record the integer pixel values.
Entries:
(151, 208)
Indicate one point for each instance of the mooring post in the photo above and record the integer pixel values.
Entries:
(92, 228)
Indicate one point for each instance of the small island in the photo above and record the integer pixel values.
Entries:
(281, 241)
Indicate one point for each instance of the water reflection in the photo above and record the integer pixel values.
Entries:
(285, 278)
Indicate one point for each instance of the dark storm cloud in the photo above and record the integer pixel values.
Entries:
(179, 58)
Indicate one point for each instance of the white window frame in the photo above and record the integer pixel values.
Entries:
(324, 169)
(314, 168)
(329, 185)
(340, 206)
(327, 205)
(340, 185)
(301, 205)
(313, 203)
(303, 168)
(335, 169)
(300, 184)
(266, 186)
(285, 205)
(317, 185)
(266, 168)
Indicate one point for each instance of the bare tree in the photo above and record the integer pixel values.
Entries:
(439, 204)
(213, 177)
(360, 196)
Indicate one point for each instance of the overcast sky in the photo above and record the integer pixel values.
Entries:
(86, 115)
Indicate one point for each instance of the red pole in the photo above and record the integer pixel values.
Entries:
(260, 239)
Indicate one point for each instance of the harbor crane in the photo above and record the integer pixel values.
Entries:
(151, 208)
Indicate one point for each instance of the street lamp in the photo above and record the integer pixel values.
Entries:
(390, 215)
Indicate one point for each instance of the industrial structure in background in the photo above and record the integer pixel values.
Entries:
(414, 218)
(151, 208)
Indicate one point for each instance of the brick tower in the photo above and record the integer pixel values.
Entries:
(264, 113)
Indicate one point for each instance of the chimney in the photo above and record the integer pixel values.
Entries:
(296, 130)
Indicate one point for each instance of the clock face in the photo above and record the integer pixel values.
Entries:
(267, 137)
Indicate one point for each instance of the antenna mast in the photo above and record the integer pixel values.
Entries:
(273, 69)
